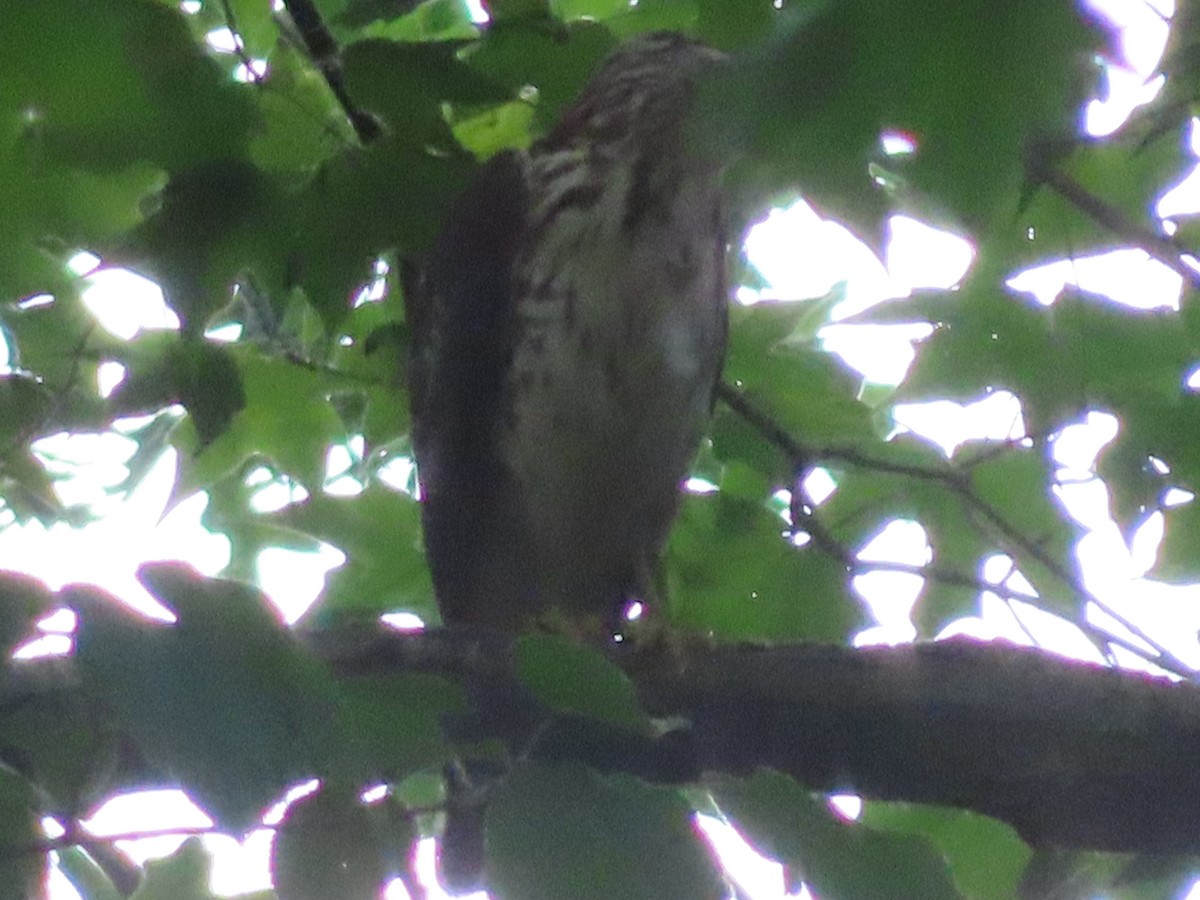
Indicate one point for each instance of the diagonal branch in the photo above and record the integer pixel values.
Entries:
(1160, 247)
(956, 481)
(325, 54)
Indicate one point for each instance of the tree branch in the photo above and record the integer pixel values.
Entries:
(1070, 754)
(957, 481)
(323, 50)
(1040, 170)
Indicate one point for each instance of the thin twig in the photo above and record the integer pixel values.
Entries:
(1162, 656)
(239, 45)
(325, 54)
(84, 840)
(1158, 246)
(265, 85)
(958, 483)
(764, 424)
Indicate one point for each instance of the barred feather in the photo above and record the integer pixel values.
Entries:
(566, 350)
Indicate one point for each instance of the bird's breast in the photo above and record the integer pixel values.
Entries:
(618, 348)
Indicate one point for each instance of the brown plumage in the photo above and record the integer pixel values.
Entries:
(568, 334)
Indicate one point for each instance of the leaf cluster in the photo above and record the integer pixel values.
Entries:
(279, 195)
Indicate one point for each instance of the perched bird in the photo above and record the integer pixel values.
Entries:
(568, 331)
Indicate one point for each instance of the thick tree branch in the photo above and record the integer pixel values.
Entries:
(1069, 754)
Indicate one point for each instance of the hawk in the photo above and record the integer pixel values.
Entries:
(567, 335)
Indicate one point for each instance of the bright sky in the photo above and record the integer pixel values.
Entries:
(801, 256)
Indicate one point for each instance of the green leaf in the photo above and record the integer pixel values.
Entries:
(1083, 352)
(516, 10)
(571, 678)
(1028, 63)
(985, 856)
(407, 83)
(1014, 487)
(587, 9)
(563, 831)
(805, 390)
(230, 511)
(327, 846)
(833, 76)
(362, 204)
(729, 571)
(372, 353)
(23, 870)
(556, 62)
(504, 127)
(726, 25)
(86, 876)
(214, 221)
(815, 121)
(254, 23)
(958, 550)
(836, 859)
(46, 335)
(210, 388)
(1150, 876)
(96, 100)
(303, 126)
(184, 875)
(378, 576)
(1176, 562)
(28, 489)
(225, 699)
(396, 721)
(1127, 172)
(983, 338)
(1161, 429)
(656, 15)
(150, 382)
(1135, 487)
(61, 745)
(909, 478)
(24, 407)
(163, 368)
(23, 601)
(1068, 873)
(761, 327)
(736, 442)
(287, 418)
(121, 81)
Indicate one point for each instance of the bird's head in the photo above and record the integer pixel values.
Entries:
(643, 91)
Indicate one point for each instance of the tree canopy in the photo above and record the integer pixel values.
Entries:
(275, 183)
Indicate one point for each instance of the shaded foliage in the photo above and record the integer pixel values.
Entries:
(259, 197)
